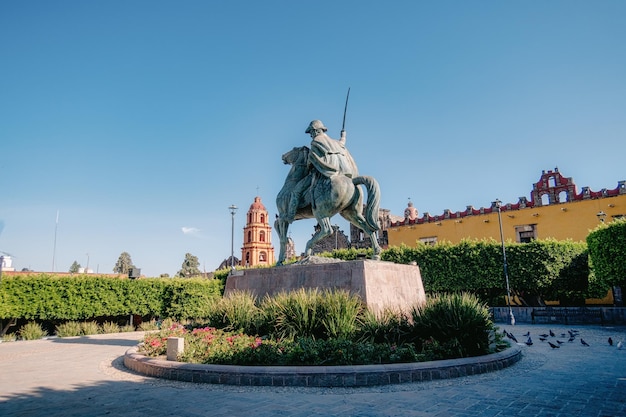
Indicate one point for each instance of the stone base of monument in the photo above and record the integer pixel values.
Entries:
(381, 285)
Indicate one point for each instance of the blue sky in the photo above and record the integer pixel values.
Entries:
(140, 122)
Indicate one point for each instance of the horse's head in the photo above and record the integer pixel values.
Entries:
(297, 155)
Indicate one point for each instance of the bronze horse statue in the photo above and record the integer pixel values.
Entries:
(327, 196)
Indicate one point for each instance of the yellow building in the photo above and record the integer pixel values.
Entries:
(555, 210)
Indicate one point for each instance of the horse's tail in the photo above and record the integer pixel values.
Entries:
(373, 199)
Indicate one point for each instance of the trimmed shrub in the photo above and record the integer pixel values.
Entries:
(542, 269)
(50, 297)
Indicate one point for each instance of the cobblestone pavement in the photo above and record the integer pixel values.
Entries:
(85, 377)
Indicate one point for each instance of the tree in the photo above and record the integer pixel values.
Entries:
(607, 251)
(190, 267)
(74, 268)
(124, 264)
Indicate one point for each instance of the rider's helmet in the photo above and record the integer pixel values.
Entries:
(316, 125)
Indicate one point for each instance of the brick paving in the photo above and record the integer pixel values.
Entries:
(86, 377)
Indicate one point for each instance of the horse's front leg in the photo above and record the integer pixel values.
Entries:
(281, 227)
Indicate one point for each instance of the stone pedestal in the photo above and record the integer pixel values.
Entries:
(380, 284)
(175, 347)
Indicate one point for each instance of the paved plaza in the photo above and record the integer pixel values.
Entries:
(84, 376)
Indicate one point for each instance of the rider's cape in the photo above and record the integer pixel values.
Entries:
(331, 157)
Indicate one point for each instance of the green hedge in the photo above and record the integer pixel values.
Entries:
(607, 251)
(546, 269)
(50, 297)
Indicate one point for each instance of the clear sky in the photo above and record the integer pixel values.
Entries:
(140, 122)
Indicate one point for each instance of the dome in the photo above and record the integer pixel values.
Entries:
(257, 205)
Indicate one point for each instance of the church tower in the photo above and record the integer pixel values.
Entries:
(257, 237)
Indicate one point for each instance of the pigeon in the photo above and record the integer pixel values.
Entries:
(559, 342)
(553, 346)
(543, 339)
(510, 336)
(583, 342)
(620, 345)
(571, 339)
(563, 335)
(610, 342)
(527, 334)
(544, 335)
(529, 342)
(551, 333)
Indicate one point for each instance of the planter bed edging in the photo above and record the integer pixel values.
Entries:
(320, 376)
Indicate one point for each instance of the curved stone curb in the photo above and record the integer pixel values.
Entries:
(321, 376)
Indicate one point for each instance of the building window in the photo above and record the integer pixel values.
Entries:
(249, 236)
(429, 240)
(262, 236)
(262, 257)
(526, 233)
(545, 200)
(263, 218)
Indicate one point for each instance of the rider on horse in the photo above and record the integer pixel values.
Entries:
(328, 157)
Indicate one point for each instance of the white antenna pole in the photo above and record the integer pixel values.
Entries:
(54, 249)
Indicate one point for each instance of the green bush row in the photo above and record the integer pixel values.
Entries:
(49, 297)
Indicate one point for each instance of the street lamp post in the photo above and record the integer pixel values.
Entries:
(233, 210)
(336, 237)
(506, 274)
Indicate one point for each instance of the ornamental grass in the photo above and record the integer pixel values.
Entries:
(312, 327)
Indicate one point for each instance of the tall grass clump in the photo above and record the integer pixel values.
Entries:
(455, 325)
(340, 314)
(149, 325)
(110, 327)
(389, 326)
(237, 312)
(32, 331)
(68, 329)
(89, 327)
(314, 314)
(295, 314)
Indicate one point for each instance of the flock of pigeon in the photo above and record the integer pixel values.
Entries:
(570, 335)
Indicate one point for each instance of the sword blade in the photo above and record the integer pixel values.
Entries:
(345, 109)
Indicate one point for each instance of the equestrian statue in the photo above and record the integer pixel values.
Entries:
(324, 181)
